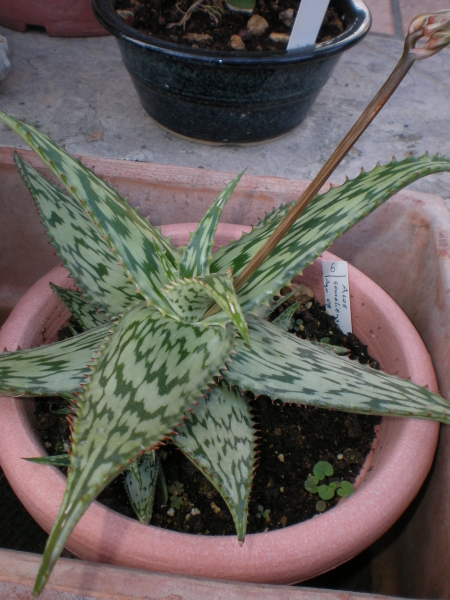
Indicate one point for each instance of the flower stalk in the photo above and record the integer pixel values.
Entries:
(434, 29)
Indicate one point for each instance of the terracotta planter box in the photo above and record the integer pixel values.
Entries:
(82, 580)
(285, 556)
(61, 18)
(411, 224)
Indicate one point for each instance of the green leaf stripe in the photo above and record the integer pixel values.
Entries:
(58, 368)
(79, 243)
(326, 218)
(219, 439)
(286, 367)
(198, 254)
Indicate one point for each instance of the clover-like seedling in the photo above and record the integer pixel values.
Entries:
(177, 491)
(262, 513)
(323, 469)
(326, 491)
(345, 490)
(321, 506)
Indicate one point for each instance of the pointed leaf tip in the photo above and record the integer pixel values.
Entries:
(198, 254)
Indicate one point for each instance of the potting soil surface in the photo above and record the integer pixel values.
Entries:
(292, 440)
(211, 25)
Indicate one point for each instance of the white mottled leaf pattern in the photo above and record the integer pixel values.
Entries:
(79, 243)
(220, 440)
(327, 217)
(127, 232)
(58, 368)
(141, 489)
(285, 367)
(84, 312)
(152, 370)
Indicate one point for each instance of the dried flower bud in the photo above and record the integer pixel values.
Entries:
(435, 28)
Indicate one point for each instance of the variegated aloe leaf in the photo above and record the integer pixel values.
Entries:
(134, 468)
(126, 231)
(198, 254)
(339, 350)
(80, 245)
(327, 217)
(283, 321)
(141, 490)
(58, 368)
(59, 460)
(286, 367)
(190, 298)
(264, 309)
(169, 268)
(219, 439)
(84, 312)
(152, 370)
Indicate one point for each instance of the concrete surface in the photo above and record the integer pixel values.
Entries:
(79, 91)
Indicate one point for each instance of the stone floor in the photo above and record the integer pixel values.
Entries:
(391, 17)
(79, 91)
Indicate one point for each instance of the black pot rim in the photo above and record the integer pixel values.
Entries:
(108, 18)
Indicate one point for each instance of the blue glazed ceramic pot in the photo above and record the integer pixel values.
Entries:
(228, 97)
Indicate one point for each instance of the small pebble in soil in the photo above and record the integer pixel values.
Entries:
(215, 508)
(279, 38)
(257, 25)
(171, 512)
(236, 43)
(281, 458)
(198, 38)
(287, 17)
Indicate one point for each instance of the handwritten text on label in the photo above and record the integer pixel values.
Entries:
(337, 294)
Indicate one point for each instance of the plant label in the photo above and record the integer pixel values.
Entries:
(337, 294)
(307, 24)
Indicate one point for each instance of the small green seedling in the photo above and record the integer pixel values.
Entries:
(176, 490)
(326, 491)
(265, 514)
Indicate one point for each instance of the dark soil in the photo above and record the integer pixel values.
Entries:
(213, 19)
(293, 440)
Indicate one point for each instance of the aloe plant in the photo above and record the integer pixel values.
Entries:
(172, 337)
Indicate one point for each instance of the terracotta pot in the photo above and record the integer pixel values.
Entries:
(61, 18)
(389, 480)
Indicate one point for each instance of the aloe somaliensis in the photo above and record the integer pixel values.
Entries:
(168, 335)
